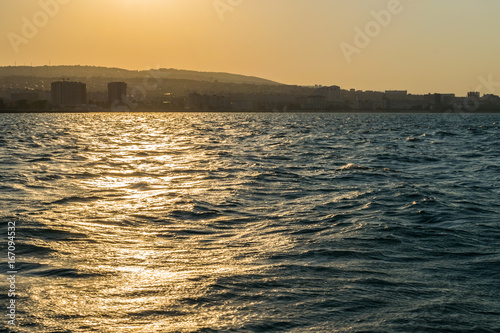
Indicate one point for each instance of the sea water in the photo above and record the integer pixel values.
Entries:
(222, 222)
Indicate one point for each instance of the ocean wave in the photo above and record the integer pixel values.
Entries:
(297, 223)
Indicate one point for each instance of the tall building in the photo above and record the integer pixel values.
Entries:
(474, 95)
(117, 93)
(67, 93)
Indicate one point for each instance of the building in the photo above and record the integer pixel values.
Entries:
(67, 93)
(312, 102)
(25, 95)
(442, 102)
(474, 95)
(117, 93)
(334, 96)
(396, 100)
(396, 94)
(490, 103)
(205, 102)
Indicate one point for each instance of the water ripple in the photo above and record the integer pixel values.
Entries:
(155, 222)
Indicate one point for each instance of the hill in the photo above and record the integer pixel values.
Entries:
(73, 72)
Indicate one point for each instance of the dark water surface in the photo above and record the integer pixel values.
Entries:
(152, 222)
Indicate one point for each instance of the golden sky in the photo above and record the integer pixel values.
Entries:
(421, 45)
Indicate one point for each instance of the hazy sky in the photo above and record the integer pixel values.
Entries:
(422, 45)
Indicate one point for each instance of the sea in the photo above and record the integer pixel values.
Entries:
(250, 222)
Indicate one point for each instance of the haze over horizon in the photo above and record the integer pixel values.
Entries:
(420, 46)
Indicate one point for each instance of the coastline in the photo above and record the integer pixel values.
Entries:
(256, 111)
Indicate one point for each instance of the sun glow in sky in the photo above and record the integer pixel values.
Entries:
(422, 46)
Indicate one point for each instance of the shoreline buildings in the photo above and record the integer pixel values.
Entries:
(100, 93)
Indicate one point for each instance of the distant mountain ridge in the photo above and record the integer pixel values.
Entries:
(74, 72)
